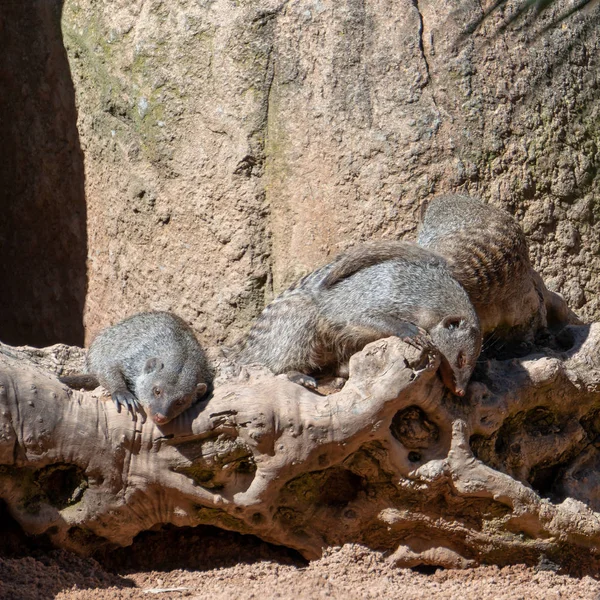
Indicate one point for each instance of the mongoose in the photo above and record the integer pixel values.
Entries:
(371, 291)
(151, 361)
(487, 253)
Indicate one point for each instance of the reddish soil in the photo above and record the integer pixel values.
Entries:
(221, 565)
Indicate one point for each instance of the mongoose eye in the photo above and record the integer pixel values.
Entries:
(461, 361)
(157, 391)
(180, 402)
(452, 324)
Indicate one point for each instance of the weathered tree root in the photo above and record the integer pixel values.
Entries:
(508, 474)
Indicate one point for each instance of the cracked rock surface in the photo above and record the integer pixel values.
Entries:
(219, 150)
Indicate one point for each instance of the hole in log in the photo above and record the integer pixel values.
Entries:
(413, 429)
(540, 421)
(414, 457)
(63, 485)
(565, 339)
(334, 487)
(340, 488)
(542, 479)
(202, 547)
(426, 569)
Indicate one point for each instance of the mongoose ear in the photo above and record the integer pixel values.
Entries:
(153, 364)
(201, 389)
(451, 323)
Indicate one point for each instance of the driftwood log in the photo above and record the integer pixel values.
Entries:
(509, 473)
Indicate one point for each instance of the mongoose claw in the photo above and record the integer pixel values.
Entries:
(420, 341)
(128, 400)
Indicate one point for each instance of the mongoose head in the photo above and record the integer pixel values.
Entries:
(165, 395)
(459, 341)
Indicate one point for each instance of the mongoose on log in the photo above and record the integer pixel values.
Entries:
(487, 253)
(150, 361)
(372, 290)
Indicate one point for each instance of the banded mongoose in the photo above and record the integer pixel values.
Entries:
(150, 361)
(487, 253)
(371, 291)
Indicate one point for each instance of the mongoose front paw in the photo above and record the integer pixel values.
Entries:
(420, 341)
(301, 379)
(129, 401)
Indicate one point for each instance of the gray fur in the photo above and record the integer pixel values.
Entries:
(371, 291)
(150, 359)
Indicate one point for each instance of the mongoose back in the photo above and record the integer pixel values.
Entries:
(487, 253)
(371, 291)
(151, 359)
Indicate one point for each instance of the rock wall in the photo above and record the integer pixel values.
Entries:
(231, 146)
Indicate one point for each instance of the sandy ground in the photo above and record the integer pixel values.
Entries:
(348, 573)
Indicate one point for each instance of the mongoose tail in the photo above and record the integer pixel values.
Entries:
(81, 381)
(558, 312)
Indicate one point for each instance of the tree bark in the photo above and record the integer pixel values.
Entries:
(507, 474)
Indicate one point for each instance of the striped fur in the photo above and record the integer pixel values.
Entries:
(487, 253)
